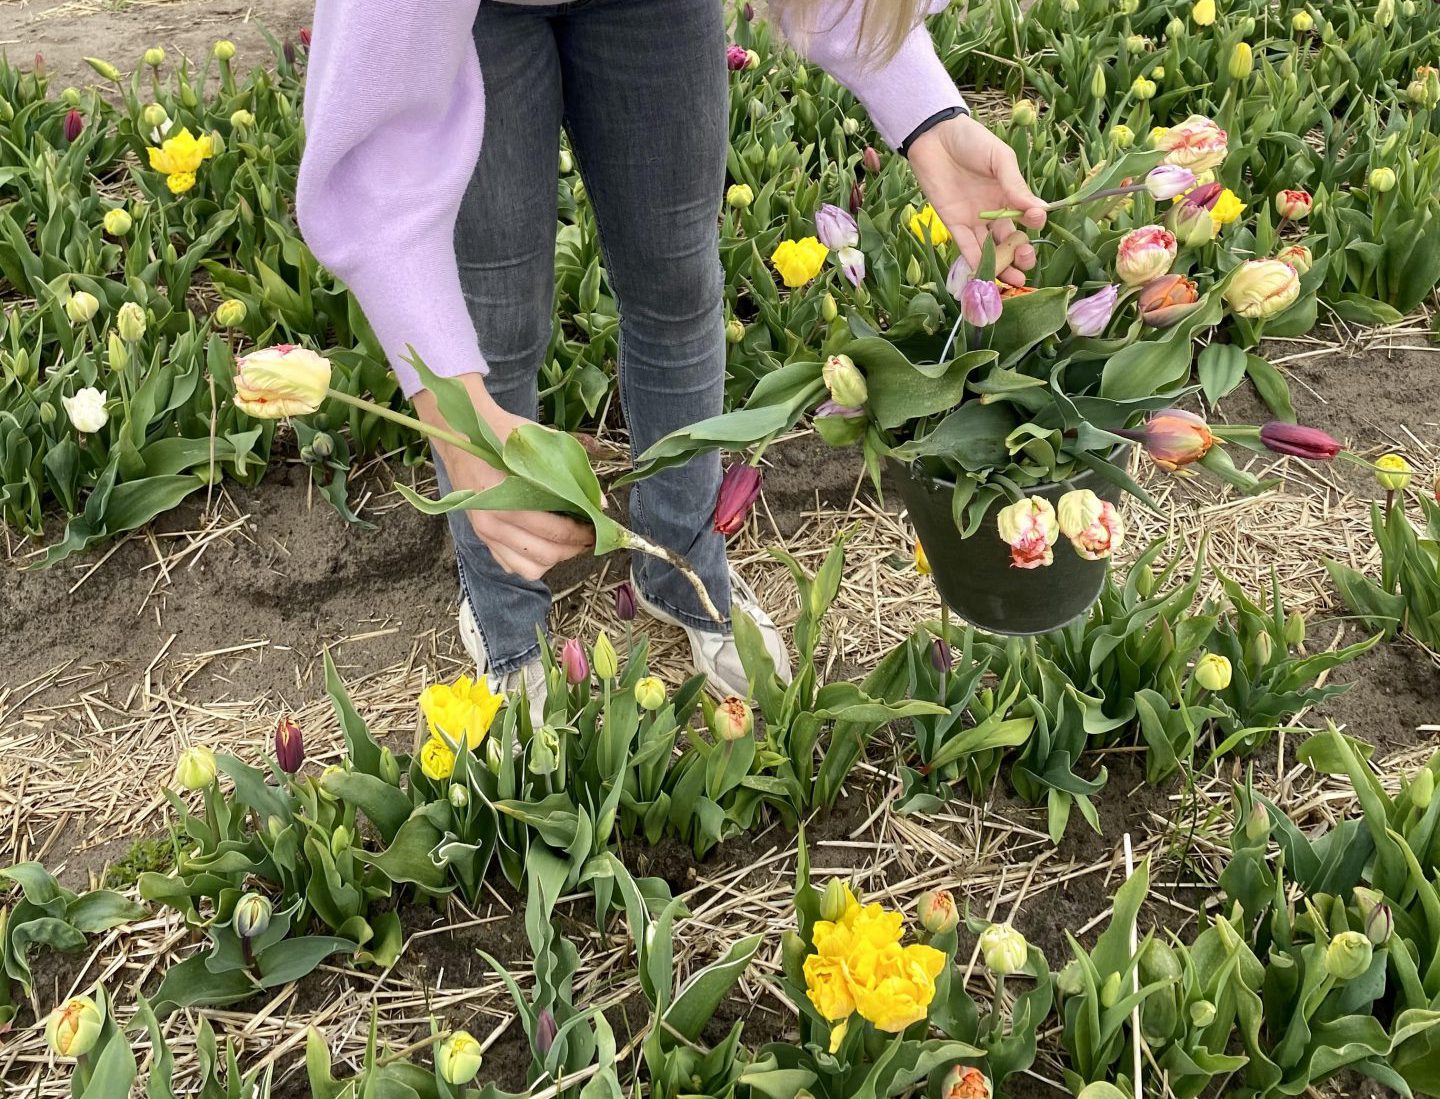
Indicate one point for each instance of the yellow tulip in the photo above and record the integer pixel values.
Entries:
(922, 562)
(1227, 208)
(461, 711)
(437, 760)
(1393, 472)
(1213, 672)
(1203, 13)
(928, 221)
(73, 1028)
(799, 261)
(181, 156)
(280, 381)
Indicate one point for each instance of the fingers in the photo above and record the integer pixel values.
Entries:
(559, 529)
(1014, 254)
(969, 245)
(517, 549)
(1018, 193)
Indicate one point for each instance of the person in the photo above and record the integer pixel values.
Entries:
(441, 236)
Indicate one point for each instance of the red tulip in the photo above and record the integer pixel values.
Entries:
(1300, 441)
(739, 489)
(289, 746)
(74, 125)
(305, 37)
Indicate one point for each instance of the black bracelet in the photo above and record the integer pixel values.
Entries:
(929, 124)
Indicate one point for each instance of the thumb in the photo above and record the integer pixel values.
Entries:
(1019, 195)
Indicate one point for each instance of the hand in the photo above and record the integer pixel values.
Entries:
(526, 543)
(963, 169)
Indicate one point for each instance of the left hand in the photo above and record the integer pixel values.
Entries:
(963, 168)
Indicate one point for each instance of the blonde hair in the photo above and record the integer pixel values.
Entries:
(884, 24)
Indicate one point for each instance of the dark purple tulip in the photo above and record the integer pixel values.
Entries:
(940, 655)
(1302, 442)
(545, 1032)
(288, 49)
(74, 125)
(737, 58)
(289, 746)
(625, 602)
(748, 11)
(857, 197)
(739, 489)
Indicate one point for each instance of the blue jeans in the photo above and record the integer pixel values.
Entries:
(642, 89)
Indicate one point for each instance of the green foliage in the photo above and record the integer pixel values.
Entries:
(1407, 596)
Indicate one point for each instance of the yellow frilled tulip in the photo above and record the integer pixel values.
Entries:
(463, 710)
(73, 1028)
(1393, 472)
(280, 381)
(827, 988)
(928, 221)
(1213, 672)
(650, 693)
(457, 1059)
(117, 222)
(799, 261)
(1227, 208)
(1203, 13)
(195, 768)
(178, 159)
(1004, 949)
(437, 760)
(1262, 288)
(898, 988)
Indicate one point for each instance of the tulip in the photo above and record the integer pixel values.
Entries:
(154, 116)
(1262, 649)
(1202, 1013)
(457, 1059)
(650, 693)
(1302, 22)
(130, 322)
(1004, 949)
(1297, 256)
(739, 489)
(279, 381)
(840, 425)
(852, 264)
(937, 911)
(1143, 88)
(1136, 43)
(1097, 82)
(195, 769)
(960, 274)
(1174, 438)
(81, 307)
(574, 662)
(1191, 223)
(737, 58)
(1348, 955)
(1030, 529)
(1242, 61)
(829, 308)
(230, 313)
(1422, 789)
(836, 228)
(844, 381)
(965, 1082)
(606, 660)
(980, 303)
(871, 160)
(458, 796)
(289, 746)
(1090, 316)
(1122, 136)
(1024, 114)
(73, 1028)
(1385, 12)
(1302, 442)
(1203, 13)
(941, 658)
(1168, 181)
(1197, 143)
(1262, 288)
(154, 57)
(857, 197)
(86, 410)
(733, 719)
(734, 331)
(117, 222)
(1092, 525)
(1379, 925)
(1145, 254)
(74, 125)
(799, 261)
(625, 602)
(740, 196)
(1167, 300)
(223, 50)
(836, 900)
(252, 915)
(1294, 205)
(1213, 672)
(1393, 472)
(1382, 180)
(566, 164)
(546, 1031)
(922, 560)
(927, 226)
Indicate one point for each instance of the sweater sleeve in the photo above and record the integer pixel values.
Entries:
(899, 93)
(394, 110)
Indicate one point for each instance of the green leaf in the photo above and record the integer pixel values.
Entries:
(901, 391)
(972, 437)
(1221, 368)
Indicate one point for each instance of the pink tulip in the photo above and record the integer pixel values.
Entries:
(574, 661)
(1302, 442)
(1030, 529)
(1168, 180)
(1145, 254)
(1090, 316)
(739, 489)
(980, 303)
(74, 125)
(737, 58)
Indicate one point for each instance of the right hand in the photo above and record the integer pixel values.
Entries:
(526, 543)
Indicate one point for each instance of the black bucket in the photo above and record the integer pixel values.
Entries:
(974, 574)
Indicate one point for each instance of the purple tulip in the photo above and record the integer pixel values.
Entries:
(1090, 316)
(980, 303)
(288, 51)
(857, 197)
(1169, 180)
(74, 125)
(625, 602)
(940, 655)
(575, 662)
(748, 11)
(835, 408)
(739, 489)
(836, 228)
(545, 1032)
(737, 58)
(1302, 442)
(852, 262)
(289, 746)
(959, 275)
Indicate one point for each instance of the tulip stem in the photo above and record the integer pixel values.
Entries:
(1062, 203)
(443, 434)
(638, 544)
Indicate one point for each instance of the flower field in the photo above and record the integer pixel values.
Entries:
(262, 834)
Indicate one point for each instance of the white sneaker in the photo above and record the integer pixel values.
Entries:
(530, 678)
(716, 655)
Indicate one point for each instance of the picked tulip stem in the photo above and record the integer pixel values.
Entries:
(1062, 203)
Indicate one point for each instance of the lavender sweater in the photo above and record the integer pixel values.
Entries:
(394, 112)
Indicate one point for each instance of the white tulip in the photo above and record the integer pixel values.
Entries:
(87, 409)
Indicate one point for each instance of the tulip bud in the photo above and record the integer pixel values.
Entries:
(733, 719)
(1024, 114)
(340, 839)
(1070, 981)
(850, 127)
(1097, 83)
(1212, 671)
(740, 196)
(914, 273)
(1257, 824)
(937, 911)
(965, 1082)
(48, 414)
(829, 310)
(1422, 789)
(223, 50)
(457, 1059)
(130, 322)
(1136, 43)
(845, 381)
(1393, 472)
(252, 915)
(1348, 955)
(606, 661)
(73, 1028)
(106, 70)
(734, 331)
(739, 489)
(1110, 991)
(1143, 88)
(1408, 8)
(493, 760)
(1293, 205)
(1262, 648)
(242, 119)
(941, 658)
(195, 769)
(625, 602)
(231, 313)
(574, 662)
(1302, 22)
(650, 694)
(117, 222)
(1382, 180)
(1297, 256)
(1191, 225)
(154, 57)
(1242, 61)
(1122, 136)
(289, 746)
(389, 767)
(546, 1032)
(81, 307)
(840, 425)
(154, 116)
(1004, 949)
(871, 160)
(1385, 12)
(857, 197)
(458, 796)
(1379, 925)
(836, 900)
(1202, 1014)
